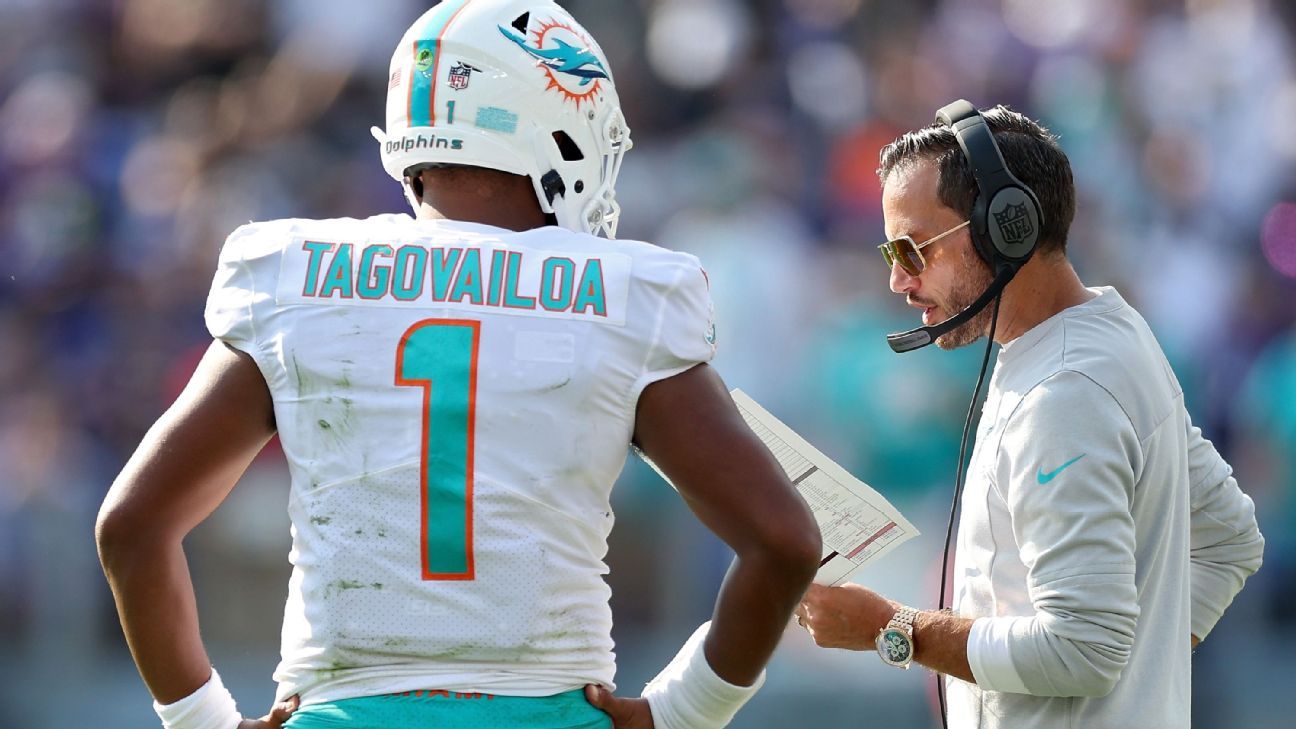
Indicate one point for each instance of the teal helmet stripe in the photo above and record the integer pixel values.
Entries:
(427, 62)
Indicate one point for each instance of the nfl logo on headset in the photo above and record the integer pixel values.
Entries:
(1014, 224)
(460, 74)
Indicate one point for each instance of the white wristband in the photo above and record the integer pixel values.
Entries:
(688, 694)
(210, 707)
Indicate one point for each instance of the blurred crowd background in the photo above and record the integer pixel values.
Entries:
(136, 134)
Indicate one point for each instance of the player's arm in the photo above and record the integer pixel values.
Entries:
(1226, 546)
(689, 426)
(184, 468)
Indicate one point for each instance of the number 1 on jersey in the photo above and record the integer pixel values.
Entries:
(440, 356)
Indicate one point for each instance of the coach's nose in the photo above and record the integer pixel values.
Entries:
(902, 282)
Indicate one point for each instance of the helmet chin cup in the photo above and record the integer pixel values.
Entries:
(511, 85)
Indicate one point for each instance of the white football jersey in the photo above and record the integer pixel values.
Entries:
(455, 402)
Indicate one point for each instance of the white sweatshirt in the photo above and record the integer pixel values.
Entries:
(1099, 531)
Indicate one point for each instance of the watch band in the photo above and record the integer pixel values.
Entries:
(904, 618)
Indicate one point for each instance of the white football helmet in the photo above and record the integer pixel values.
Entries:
(510, 85)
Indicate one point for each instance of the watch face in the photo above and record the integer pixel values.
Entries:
(895, 646)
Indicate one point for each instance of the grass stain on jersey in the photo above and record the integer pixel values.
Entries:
(336, 422)
(342, 585)
(321, 520)
(335, 667)
(306, 384)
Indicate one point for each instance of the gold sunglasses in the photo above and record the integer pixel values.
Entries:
(908, 254)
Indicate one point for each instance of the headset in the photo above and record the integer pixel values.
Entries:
(1005, 223)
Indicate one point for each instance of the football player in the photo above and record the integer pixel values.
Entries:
(455, 393)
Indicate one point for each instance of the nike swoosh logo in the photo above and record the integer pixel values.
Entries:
(1044, 478)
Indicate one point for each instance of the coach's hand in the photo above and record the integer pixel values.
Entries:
(848, 617)
(279, 713)
(625, 713)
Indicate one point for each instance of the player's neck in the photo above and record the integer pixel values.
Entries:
(503, 201)
(499, 217)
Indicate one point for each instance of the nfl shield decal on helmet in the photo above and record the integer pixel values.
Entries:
(565, 56)
(460, 75)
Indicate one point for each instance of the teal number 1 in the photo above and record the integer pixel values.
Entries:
(440, 356)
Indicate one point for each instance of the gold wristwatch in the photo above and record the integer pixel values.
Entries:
(895, 642)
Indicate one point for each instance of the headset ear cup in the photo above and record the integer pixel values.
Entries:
(1013, 224)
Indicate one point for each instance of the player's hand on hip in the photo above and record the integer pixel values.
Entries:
(625, 713)
(279, 713)
(849, 616)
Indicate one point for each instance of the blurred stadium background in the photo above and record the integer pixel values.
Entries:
(135, 134)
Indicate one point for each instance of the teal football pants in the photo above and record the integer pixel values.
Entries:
(448, 710)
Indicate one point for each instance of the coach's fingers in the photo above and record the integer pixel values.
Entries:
(802, 614)
(814, 593)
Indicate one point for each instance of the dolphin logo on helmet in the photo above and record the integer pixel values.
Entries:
(568, 59)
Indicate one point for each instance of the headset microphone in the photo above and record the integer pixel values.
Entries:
(923, 336)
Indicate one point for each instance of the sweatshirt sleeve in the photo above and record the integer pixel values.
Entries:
(1226, 544)
(1068, 482)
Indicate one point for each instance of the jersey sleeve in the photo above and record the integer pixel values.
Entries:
(1069, 485)
(246, 276)
(683, 332)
